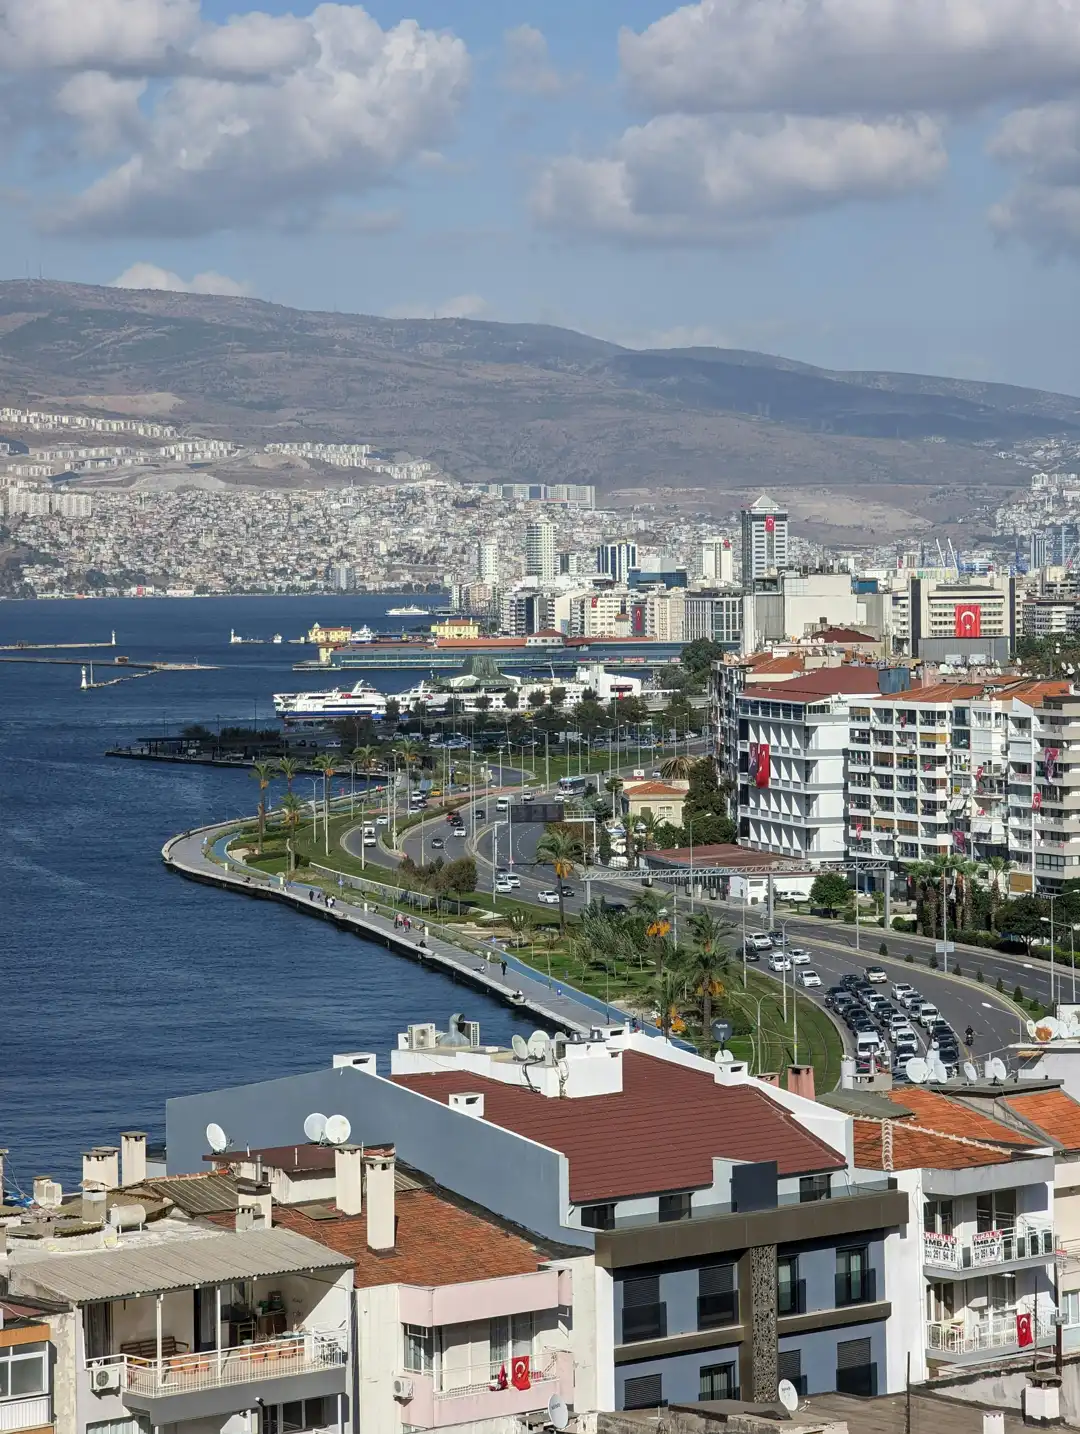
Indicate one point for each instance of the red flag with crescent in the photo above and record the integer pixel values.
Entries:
(967, 620)
(1036, 802)
(520, 1376)
(1025, 1332)
(770, 524)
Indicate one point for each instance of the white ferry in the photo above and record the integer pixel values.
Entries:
(411, 611)
(359, 701)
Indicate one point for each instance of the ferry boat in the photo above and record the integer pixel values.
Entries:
(359, 701)
(411, 611)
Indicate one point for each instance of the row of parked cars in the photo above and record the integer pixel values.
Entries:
(780, 956)
(884, 1026)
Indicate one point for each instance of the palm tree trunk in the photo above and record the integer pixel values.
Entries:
(562, 907)
(706, 1010)
(262, 822)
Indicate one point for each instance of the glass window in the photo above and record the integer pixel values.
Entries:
(675, 1207)
(24, 1369)
(718, 1381)
(854, 1278)
(598, 1217)
(292, 1416)
(787, 1285)
(813, 1187)
(418, 1348)
(499, 1339)
(1070, 1306)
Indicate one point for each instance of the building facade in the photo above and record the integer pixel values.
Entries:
(764, 540)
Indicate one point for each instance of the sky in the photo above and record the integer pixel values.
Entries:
(857, 183)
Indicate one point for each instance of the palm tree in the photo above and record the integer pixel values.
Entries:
(288, 767)
(364, 757)
(665, 990)
(678, 769)
(327, 767)
(410, 752)
(560, 850)
(926, 896)
(521, 923)
(293, 808)
(703, 964)
(613, 786)
(647, 821)
(999, 869)
(263, 771)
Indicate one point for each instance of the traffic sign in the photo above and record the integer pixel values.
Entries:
(944, 947)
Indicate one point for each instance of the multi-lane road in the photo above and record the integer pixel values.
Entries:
(506, 840)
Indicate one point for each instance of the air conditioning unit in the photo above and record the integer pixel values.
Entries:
(105, 1378)
(422, 1037)
(403, 1390)
(471, 1030)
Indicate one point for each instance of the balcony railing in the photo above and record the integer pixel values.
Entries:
(791, 1298)
(856, 1289)
(964, 1335)
(1028, 1239)
(211, 1369)
(453, 1383)
(30, 1413)
(713, 1310)
(644, 1322)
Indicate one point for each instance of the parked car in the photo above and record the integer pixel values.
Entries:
(877, 974)
(548, 898)
(800, 956)
(809, 978)
(902, 989)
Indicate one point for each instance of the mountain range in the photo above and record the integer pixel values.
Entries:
(700, 427)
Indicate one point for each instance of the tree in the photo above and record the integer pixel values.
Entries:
(706, 815)
(678, 769)
(393, 711)
(1022, 918)
(263, 771)
(830, 891)
(510, 700)
(697, 658)
(613, 786)
(522, 923)
(459, 876)
(293, 808)
(560, 849)
(288, 767)
(557, 696)
(364, 758)
(704, 963)
(327, 766)
(537, 697)
(666, 989)
(603, 843)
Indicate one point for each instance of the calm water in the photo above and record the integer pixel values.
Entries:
(124, 984)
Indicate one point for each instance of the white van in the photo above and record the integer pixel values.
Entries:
(503, 804)
(869, 1043)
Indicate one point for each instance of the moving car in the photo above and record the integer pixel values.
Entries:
(549, 898)
(877, 974)
(459, 831)
(800, 956)
(809, 978)
(779, 962)
(437, 843)
(568, 891)
(502, 888)
(759, 941)
(370, 839)
(901, 990)
(928, 1015)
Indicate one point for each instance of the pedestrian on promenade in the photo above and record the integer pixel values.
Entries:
(502, 963)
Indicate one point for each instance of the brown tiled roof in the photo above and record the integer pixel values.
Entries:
(821, 682)
(727, 854)
(842, 634)
(914, 1148)
(653, 789)
(1052, 1111)
(659, 1133)
(934, 1111)
(290, 1158)
(438, 1243)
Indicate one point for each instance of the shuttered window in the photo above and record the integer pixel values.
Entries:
(851, 1353)
(855, 1373)
(644, 1392)
(716, 1279)
(642, 1290)
(789, 1365)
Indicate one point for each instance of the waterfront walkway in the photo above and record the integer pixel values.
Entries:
(201, 856)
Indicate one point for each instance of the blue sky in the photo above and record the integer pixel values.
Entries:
(858, 183)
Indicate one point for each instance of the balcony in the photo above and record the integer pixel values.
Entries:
(856, 1289)
(713, 1310)
(452, 1383)
(791, 1298)
(965, 1336)
(644, 1322)
(471, 1393)
(1028, 1240)
(32, 1413)
(282, 1358)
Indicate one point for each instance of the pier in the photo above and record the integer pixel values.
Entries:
(57, 646)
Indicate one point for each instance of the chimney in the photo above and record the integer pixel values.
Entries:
(93, 1203)
(469, 1102)
(133, 1156)
(254, 1206)
(101, 1166)
(379, 1177)
(349, 1179)
(770, 1078)
(847, 1074)
(46, 1191)
(800, 1081)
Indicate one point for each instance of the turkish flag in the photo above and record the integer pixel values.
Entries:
(967, 620)
(1025, 1331)
(761, 774)
(519, 1372)
(770, 523)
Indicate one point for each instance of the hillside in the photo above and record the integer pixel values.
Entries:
(528, 402)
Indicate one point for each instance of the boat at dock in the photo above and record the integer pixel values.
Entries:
(411, 611)
(359, 701)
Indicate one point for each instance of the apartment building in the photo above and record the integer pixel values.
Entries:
(716, 560)
(681, 1244)
(541, 555)
(978, 1267)
(764, 539)
(615, 558)
(31, 1345)
(716, 616)
(791, 761)
(946, 618)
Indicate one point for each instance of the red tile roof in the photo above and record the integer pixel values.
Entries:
(934, 1111)
(727, 854)
(1051, 1111)
(914, 1148)
(820, 682)
(653, 789)
(659, 1133)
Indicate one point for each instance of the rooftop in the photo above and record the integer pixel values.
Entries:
(940, 1113)
(1051, 1111)
(849, 679)
(659, 1133)
(916, 1148)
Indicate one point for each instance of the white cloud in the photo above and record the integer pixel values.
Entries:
(1043, 145)
(527, 67)
(688, 179)
(118, 36)
(256, 45)
(463, 306)
(839, 56)
(105, 109)
(150, 276)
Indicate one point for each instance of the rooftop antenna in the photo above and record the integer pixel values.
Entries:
(788, 1395)
(520, 1048)
(337, 1130)
(557, 1412)
(997, 1069)
(315, 1127)
(971, 1073)
(916, 1070)
(216, 1138)
(537, 1045)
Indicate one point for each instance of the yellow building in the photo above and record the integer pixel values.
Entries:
(663, 799)
(457, 628)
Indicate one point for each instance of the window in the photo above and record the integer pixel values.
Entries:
(23, 1370)
(855, 1373)
(418, 1348)
(790, 1290)
(301, 1414)
(789, 1366)
(718, 1381)
(675, 1207)
(1070, 1306)
(855, 1281)
(598, 1217)
(97, 1330)
(938, 1217)
(499, 1339)
(813, 1187)
(643, 1316)
(644, 1392)
(718, 1299)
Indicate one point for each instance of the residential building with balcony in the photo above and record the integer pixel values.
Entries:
(710, 1222)
(31, 1351)
(983, 1252)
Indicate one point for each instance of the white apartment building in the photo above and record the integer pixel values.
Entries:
(487, 564)
(73, 505)
(716, 560)
(603, 612)
(946, 618)
(790, 606)
(615, 558)
(764, 539)
(792, 744)
(541, 555)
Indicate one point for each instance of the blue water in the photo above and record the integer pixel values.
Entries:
(123, 984)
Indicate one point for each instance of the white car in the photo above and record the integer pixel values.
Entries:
(809, 978)
(370, 839)
(876, 975)
(459, 832)
(549, 898)
(799, 955)
(503, 888)
(382, 821)
(779, 963)
(901, 990)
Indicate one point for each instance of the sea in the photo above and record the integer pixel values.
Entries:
(121, 983)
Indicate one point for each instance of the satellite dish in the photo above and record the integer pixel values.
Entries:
(1031, 1030)
(997, 1069)
(938, 1070)
(724, 1057)
(970, 1071)
(788, 1395)
(315, 1127)
(337, 1130)
(1047, 1029)
(216, 1138)
(558, 1414)
(538, 1045)
(916, 1070)
(520, 1048)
